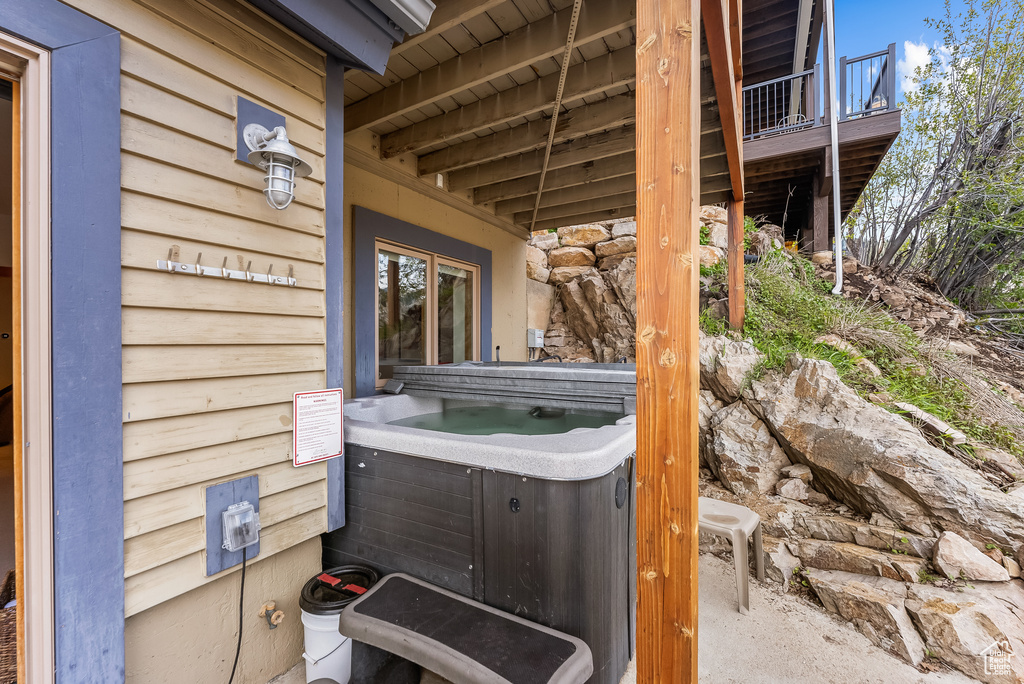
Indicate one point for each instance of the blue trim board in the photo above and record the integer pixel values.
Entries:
(218, 498)
(88, 522)
(371, 226)
(335, 267)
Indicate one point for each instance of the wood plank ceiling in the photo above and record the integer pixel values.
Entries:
(472, 98)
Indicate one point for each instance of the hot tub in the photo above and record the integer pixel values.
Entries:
(540, 525)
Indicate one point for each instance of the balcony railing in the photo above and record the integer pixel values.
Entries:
(867, 86)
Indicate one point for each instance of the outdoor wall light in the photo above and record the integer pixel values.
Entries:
(271, 151)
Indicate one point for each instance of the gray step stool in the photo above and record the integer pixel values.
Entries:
(735, 523)
(464, 641)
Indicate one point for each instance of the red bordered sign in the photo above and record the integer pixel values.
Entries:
(316, 423)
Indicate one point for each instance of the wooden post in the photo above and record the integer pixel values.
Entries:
(737, 296)
(819, 222)
(668, 372)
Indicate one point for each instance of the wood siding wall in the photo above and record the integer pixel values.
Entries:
(210, 366)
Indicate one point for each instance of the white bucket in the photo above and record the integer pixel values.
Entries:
(328, 654)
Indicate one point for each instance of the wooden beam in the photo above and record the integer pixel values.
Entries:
(588, 206)
(736, 36)
(820, 215)
(737, 293)
(570, 153)
(824, 186)
(519, 49)
(592, 217)
(588, 172)
(668, 374)
(876, 126)
(576, 193)
(587, 78)
(448, 15)
(719, 39)
(575, 123)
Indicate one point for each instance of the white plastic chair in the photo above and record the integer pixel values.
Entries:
(735, 523)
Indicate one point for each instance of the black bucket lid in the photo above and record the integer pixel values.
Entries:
(329, 592)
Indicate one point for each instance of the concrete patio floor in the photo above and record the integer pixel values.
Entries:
(782, 639)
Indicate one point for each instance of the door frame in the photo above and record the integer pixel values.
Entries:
(83, 252)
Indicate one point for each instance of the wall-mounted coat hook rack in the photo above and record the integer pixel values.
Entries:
(173, 265)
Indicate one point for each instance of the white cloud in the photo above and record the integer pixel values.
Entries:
(915, 56)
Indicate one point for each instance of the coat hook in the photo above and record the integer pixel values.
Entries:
(248, 277)
(199, 269)
(224, 270)
(291, 276)
(170, 260)
(270, 278)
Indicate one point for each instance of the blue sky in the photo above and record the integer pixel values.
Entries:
(864, 26)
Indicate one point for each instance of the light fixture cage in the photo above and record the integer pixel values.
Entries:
(274, 153)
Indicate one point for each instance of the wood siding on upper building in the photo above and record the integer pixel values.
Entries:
(210, 366)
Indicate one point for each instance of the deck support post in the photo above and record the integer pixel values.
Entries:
(819, 214)
(737, 295)
(668, 373)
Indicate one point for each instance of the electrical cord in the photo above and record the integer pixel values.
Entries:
(241, 602)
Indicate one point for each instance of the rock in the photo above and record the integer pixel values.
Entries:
(624, 228)
(719, 309)
(579, 315)
(822, 257)
(932, 424)
(538, 273)
(709, 214)
(879, 520)
(894, 298)
(710, 256)
(622, 279)
(880, 398)
(825, 555)
(874, 461)
(718, 236)
(744, 455)
(725, 365)
(536, 256)
(566, 273)
(871, 536)
(544, 241)
(956, 558)
(961, 627)
(875, 607)
(798, 471)
(792, 488)
(708, 406)
(1012, 567)
(779, 563)
(586, 235)
(620, 245)
(571, 256)
(850, 265)
(614, 260)
(1000, 459)
(842, 345)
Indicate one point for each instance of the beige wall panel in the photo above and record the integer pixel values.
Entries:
(175, 77)
(203, 624)
(170, 435)
(170, 543)
(167, 508)
(265, 29)
(508, 257)
(190, 151)
(146, 401)
(152, 364)
(156, 289)
(155, 586)
(159, 106)
(138, 250)
(162, 326)
(154, 178)
(204, 54)
(173, 219)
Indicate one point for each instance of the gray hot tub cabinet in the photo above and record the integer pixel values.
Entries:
(541, 527)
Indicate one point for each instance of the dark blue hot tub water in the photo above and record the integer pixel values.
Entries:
(492, 420)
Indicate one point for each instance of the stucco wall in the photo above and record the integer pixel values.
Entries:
(191, 638)
(508, 254)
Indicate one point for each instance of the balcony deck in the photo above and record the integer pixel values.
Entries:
(786, 155)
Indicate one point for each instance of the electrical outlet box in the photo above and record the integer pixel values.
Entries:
(534, 338)
(219, 499)
(241, 524)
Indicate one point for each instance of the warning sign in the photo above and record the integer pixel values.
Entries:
(317, 426)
